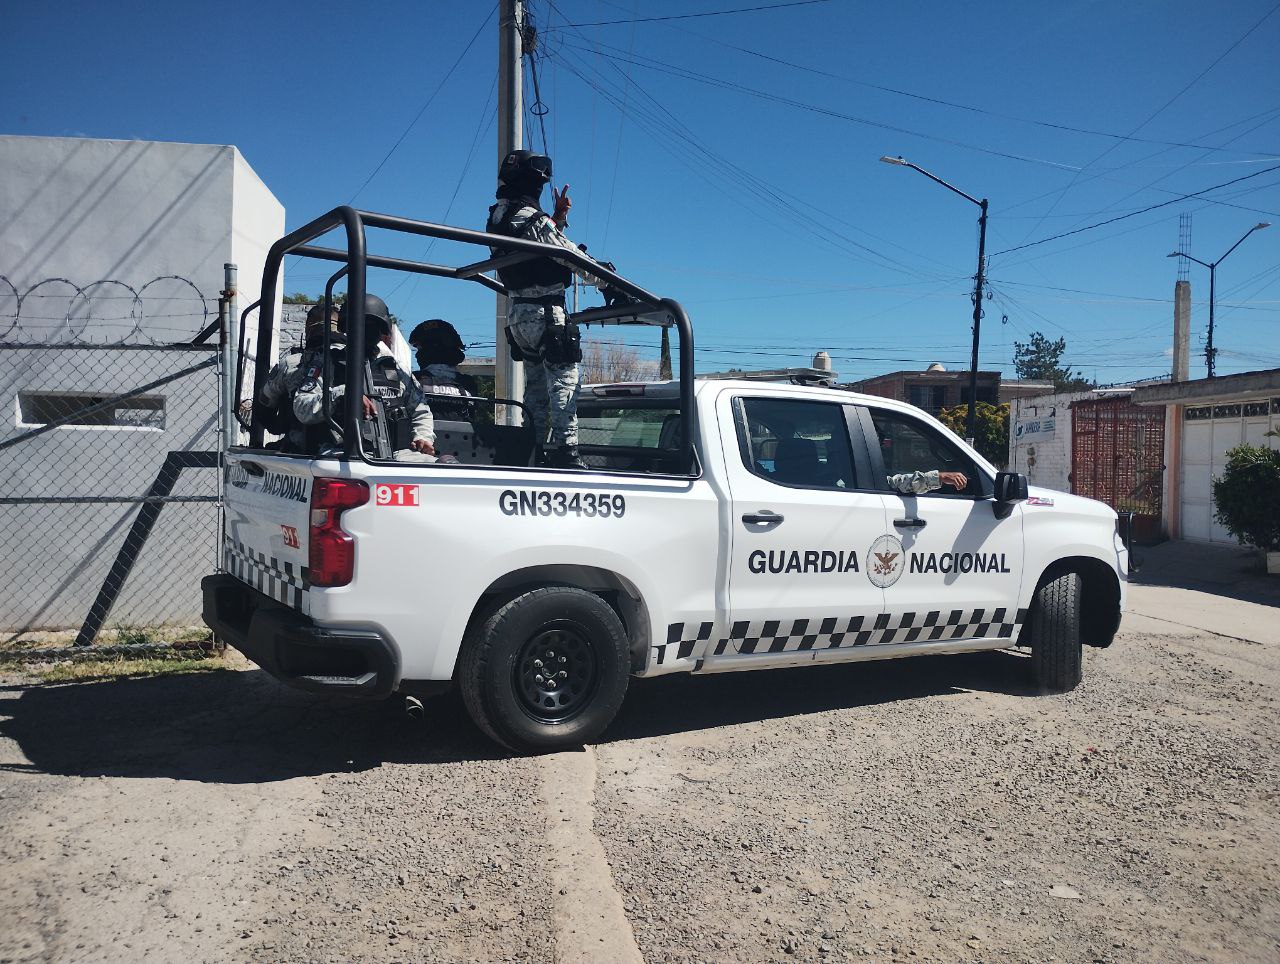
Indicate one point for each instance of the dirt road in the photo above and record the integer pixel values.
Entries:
(915, 810)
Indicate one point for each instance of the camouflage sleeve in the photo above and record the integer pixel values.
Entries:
(915, 483)
(308, 400)
(544, 229)
(273, 388)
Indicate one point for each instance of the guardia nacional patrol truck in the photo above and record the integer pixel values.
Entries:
(722, 526)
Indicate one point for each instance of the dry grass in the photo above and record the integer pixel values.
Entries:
(85, 667)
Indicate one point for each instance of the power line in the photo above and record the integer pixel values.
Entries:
(708, 13)
(1121, 217)
(771, 196)
(687, 74)
(938, 101)
(700, 154)
(617, 156)
(423, 109)
(487, 113)
(1158, 111)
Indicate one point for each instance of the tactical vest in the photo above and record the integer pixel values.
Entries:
(397, 400)
(538, 273)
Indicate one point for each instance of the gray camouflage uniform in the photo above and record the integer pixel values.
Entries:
(915, 483)
(282, 381)
(308, 405)
(550, 390)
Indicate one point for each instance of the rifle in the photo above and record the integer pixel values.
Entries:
(381, 437)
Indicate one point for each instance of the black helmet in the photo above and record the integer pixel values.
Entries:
(525, 168)
(315, 320)
(374, 309)
(437, 343)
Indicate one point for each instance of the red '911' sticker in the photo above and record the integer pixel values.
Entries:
(395, 495)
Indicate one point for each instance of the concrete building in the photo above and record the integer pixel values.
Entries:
(1204, 419)
(1040, 438)
(119, 245)
(936, 388)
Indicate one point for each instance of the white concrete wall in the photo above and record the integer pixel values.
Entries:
(110, 218)
(1045, 462)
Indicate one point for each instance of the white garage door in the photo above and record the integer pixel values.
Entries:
(1208, 433)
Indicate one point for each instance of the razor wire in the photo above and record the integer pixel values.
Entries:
(164, 310)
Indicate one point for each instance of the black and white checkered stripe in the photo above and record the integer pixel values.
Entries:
(280, 579)
(838, 632)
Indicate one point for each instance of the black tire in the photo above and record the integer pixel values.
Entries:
(1056, 649)
(511, 699)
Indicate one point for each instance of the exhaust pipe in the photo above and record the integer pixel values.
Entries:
(413, 708)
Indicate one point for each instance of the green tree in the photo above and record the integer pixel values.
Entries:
(299, 298)
(1041, 358)
(992, 428)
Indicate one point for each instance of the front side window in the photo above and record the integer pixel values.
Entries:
(909, 446)
(796, 443)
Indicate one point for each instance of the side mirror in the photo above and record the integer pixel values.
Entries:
(1011, 487)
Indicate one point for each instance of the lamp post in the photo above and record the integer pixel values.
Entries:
(978, 280)
(1211, 353)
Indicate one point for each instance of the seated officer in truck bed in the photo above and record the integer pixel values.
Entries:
(410, 427)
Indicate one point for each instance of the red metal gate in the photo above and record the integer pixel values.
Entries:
(1117, 457)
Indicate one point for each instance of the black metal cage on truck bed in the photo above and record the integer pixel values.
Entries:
(644, 309)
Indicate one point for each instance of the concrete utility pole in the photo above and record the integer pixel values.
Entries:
(1181, 331)
(508, 373)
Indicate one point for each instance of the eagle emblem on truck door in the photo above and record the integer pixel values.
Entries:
(886, 561)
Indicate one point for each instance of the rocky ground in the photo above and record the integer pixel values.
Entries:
(919, 810)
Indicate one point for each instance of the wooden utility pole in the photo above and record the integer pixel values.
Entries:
(508, 373)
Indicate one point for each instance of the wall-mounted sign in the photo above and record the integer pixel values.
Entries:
(1034, 429)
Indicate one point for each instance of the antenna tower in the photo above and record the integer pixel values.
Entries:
(1184, 244)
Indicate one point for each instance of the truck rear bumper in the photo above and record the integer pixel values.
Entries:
(361, 664)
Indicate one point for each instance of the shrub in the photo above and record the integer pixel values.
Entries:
(992, 427)
(1247, 496)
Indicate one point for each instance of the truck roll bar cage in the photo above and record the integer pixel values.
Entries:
(357, 260)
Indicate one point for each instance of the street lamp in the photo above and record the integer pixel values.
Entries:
(1211, 353)
(978, 280)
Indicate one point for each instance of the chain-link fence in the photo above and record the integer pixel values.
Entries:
(109, 489)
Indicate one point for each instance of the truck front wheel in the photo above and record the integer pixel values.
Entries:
(1055, 634)
(546, 671)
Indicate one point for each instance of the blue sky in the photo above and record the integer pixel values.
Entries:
(731, 161)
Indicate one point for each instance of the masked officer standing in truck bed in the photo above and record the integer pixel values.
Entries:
(409, 426)
(538, 328)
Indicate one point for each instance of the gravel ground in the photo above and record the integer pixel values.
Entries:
(927, 809)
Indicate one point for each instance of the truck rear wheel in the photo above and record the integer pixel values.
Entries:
(1056, 650)
(546, 671)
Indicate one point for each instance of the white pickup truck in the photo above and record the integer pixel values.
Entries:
(769, 538)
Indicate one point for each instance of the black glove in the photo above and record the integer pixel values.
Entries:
(616, 296)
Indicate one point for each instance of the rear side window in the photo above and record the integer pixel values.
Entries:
(649, 428)
(796, 443)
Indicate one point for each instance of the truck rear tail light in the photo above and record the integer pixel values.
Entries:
(332, 551)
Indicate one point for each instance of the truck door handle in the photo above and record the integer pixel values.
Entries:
(763, 517)
(910, 523)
